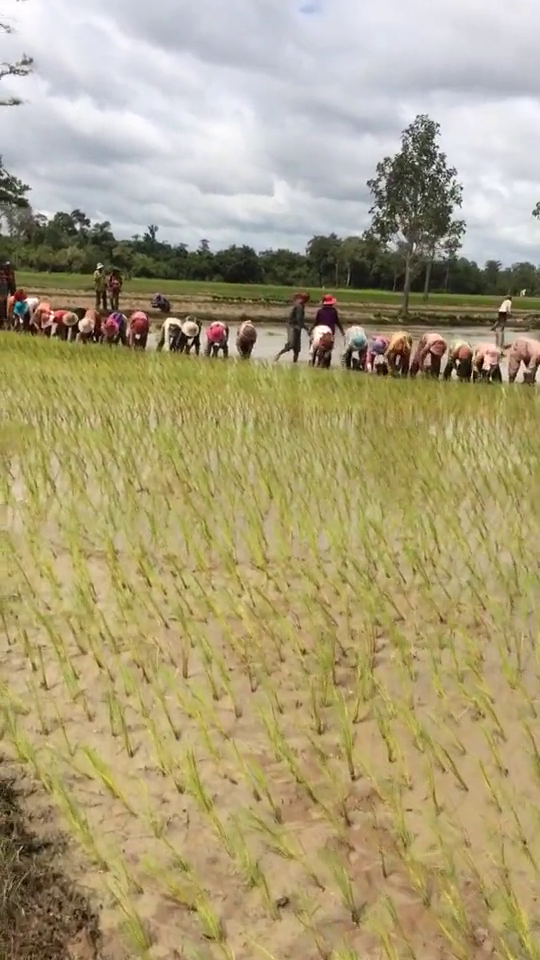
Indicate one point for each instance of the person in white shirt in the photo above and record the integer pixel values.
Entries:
(505, 312)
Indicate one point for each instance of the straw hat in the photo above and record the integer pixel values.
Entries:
(190, 329)
(69, 319)
(86, 325)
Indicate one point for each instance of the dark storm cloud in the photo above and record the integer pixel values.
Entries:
(261, 121)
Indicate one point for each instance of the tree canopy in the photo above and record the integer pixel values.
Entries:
(71, 242)
(415, 194)
(19, 68)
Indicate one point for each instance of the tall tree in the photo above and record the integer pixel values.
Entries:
(414, 196)
(12, 190)
(20, 68)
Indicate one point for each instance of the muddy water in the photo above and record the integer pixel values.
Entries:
(271, 339)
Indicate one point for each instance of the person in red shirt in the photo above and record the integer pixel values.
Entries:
(139, 328)
(114, 284)
(8, 287)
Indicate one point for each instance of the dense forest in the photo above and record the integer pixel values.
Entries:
(69, 242)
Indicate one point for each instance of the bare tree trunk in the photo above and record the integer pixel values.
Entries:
(427, 282)
(406, 287)
(394, 284)
(348, 274)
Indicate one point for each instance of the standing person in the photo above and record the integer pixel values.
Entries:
(505, 312)
(246, 338)
(115, 283)
(524, 351)
(398, 353)
(217, 338)
(100, 285)
(295, 325)
(487, 363)
(460, 356)
(8, 287)
(356, 342)
(139, 328)
(428, 355)
(327, 316)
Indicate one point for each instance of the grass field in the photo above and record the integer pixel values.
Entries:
(187, 288)
(270, 648)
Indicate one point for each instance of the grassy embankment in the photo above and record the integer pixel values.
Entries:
(270, 649)
(263, 298)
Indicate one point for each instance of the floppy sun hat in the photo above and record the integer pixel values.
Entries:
(86, 325)
(329, 300)
(190, 329)
(70, 319)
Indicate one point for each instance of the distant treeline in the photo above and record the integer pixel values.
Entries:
(71, 243)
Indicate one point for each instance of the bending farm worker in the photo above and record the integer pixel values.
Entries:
(159, 302)
(398, 353)
(356, 342)
(295, 325)
(322, 344)
(87, 326)
(114, 329)
(428, 355)
(139, 328)
(189, 337)
(64, 324)
(217, 338)
(168, 335)
(524, 351)
(487, 363)
(376, 355)
(460, 356)
(246, 338)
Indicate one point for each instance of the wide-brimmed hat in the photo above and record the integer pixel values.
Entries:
(70, 319)
(111, 326)
(86, 325)
(99, 266)
(329, 300)
(190, 329)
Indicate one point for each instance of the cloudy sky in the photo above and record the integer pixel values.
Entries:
(259, 121)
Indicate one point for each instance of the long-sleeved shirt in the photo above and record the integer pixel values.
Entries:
(460, 350)
(297, 317)
(429, 343)
(487, 356)
(8, 285)
(527, 351)
(165, 336)
(327, 316)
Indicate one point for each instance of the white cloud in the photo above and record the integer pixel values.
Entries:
(260, 121)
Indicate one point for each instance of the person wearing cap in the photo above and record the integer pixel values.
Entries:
(114, 330)
(398, 353)
(100, 285)
(246, 338)
(428, 355)
(503, 316)
(295, 325)
(189, 337)
(356, 342)
(168, 335)
(217, 338)
(8, 287)
(486, 364)
(376, 361)
(524, 351)
(460, 356)
(321, 346)
(139, 328)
